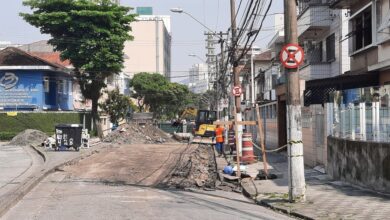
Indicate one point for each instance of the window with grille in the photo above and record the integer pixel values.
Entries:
(330, 48)
(361, 25)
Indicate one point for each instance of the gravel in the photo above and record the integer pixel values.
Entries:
(133, 133)
(194, 170)
(29, 137)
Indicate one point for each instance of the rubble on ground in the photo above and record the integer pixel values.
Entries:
(133, 133)
(29, 137)
(197, 169)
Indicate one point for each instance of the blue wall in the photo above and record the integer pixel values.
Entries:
(351, 96)
(24, 90)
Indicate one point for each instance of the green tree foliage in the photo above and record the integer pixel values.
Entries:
(164, 98)
(209, 99)
(116, 106)
(89, 33)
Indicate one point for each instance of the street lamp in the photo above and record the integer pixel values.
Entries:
(180, 10)
(194, 55)
(176, 10)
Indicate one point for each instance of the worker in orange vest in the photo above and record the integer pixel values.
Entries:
(219, 139)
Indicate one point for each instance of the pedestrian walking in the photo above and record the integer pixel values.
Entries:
(219, 139)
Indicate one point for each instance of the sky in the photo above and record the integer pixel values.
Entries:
(187, 35)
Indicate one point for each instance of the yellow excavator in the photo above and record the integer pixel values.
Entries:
(203, 121)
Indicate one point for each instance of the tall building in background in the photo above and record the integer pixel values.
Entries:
(150, 51)
(199, 78)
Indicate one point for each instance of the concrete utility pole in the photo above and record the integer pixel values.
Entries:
(211, 63)
(236, 80)
(297, 186)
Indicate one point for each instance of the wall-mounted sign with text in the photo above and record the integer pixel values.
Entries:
(20, 88)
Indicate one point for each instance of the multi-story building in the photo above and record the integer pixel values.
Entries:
(357, 103)
(199, 78)
(260, 61)
(150, 50)
(321, 32)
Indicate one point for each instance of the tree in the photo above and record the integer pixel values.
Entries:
(116, 106)
(151, 88)
(91, 34)
(180, 98)
(163, 97)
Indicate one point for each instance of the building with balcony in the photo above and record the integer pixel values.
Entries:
(321, 32)
(356, 103)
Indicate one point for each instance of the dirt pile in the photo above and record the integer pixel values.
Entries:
(133, 133)
(29, 136)
(197, 169)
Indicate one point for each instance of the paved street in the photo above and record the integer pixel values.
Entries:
(97, 188)
(58, 197)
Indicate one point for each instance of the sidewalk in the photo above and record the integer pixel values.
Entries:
(325, 198)
(22, 168)
(16, 164)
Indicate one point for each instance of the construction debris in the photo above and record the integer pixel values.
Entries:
(133, 133)
(182, 136)
(197, 169)
(29, 137)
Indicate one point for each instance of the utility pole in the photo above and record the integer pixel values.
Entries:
(222, 86)
(211, 63)
(252, 79)
(236, 80)
(297, 186)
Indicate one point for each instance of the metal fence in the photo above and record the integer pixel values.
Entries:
(368, 122)
(169, 128)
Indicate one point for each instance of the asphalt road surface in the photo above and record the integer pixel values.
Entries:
(69, 195)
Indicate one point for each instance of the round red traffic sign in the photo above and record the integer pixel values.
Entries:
(291, 56)
(237, 91)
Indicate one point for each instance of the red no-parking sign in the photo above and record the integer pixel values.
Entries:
(237, 91)
(291, 56)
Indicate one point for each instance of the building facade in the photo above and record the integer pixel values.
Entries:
(29, 83)
(199, 78)
(321, 32)
(150, 50)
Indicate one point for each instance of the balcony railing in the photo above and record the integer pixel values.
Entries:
(305, 4)
(342, 4)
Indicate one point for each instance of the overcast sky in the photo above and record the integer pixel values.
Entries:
(187, 35)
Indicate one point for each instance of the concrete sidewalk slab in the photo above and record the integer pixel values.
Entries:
(325, 199)
(15, 190)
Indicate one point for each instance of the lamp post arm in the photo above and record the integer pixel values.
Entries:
(212, 32)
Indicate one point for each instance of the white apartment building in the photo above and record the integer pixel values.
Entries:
(199, 80)
(322, 31)
(150, 50)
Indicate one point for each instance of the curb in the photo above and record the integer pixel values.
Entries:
(279, 209)
(41, 153)
(282, 210)
(26, 186)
